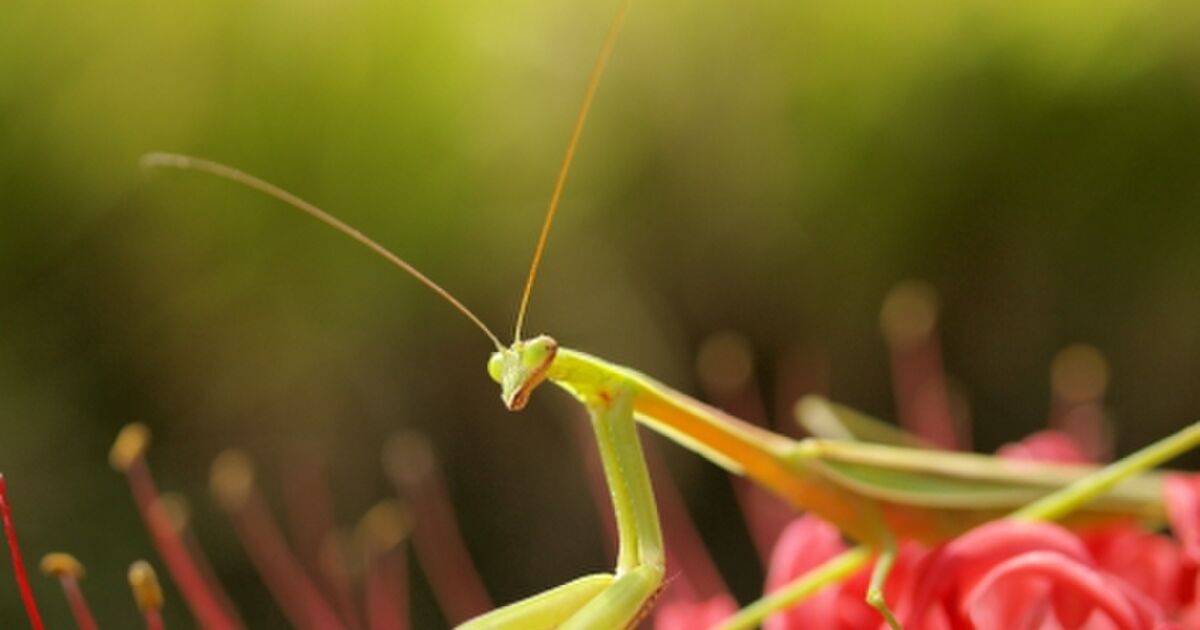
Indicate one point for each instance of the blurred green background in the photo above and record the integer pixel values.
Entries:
(766, 167)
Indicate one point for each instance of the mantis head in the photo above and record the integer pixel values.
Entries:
(521, 367)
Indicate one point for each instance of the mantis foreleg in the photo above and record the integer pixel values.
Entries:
(603, 602)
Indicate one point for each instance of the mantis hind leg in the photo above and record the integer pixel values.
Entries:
(883, 567)
(604, 601)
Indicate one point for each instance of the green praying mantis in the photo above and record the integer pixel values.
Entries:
(876, 493)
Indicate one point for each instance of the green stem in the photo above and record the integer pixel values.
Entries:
(1049, 508)
(1058, 504)
(833, 570)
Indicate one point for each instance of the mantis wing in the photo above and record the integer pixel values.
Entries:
(934, 495)
(828, 420)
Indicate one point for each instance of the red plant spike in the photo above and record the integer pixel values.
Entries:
(147, 593)
(10, 532)
(382, 533)
(69, 571)
(308, 500)
(409, 460)
(909, 321)
(128, 457)
(233, 486)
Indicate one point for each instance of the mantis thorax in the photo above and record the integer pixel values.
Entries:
(521, 367)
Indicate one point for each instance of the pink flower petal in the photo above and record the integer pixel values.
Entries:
(1073, 581)
(956, 567)
(1151, 563)
(1011, 604)
(1046, 446)
(1011, 575)
(683, 614)
(901, 582)
(1181, 492)
(1148, 610)
(802, 546)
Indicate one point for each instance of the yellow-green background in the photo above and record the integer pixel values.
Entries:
(769, 167)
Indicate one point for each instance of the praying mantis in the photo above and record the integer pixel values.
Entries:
(877, 494)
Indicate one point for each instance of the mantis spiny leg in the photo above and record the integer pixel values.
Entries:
(603, 601)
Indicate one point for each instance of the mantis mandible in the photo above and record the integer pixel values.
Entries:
(876, 494)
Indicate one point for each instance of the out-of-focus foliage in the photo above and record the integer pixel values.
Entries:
(768, 167)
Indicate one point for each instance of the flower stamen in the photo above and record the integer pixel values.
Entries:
(233, 487)
(18, 563)
(409, 461)
(69, 571)
(381, 533)
(308, 502)
(128, 456)
(147, 593)
(909, 321)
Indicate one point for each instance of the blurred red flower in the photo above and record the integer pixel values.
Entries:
(1014, 575)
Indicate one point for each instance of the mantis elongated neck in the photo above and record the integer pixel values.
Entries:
(736, 445)
(786, 467)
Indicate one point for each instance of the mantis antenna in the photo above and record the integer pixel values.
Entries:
(189, 163)
(593, 82)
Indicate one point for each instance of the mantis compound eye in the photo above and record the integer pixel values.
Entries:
(538, 353)
(495, 366)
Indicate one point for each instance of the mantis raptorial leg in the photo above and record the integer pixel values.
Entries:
(614, 600)
(876, 494)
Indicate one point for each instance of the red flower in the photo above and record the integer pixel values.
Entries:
(1013, 575)
(805, 544)
(689, 614)
(1182, 495)
(1045, 446)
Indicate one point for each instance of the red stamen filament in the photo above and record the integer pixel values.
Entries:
(909, 321)
(153, 619)
(78, 603)
(309, 503)
(282, 573)
(10, 532)
(387, 591)
(180, 521)
(1079, 377)
(197, 591)
(440, 549)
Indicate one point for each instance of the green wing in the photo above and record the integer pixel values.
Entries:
(941, 479)
(828, 420)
